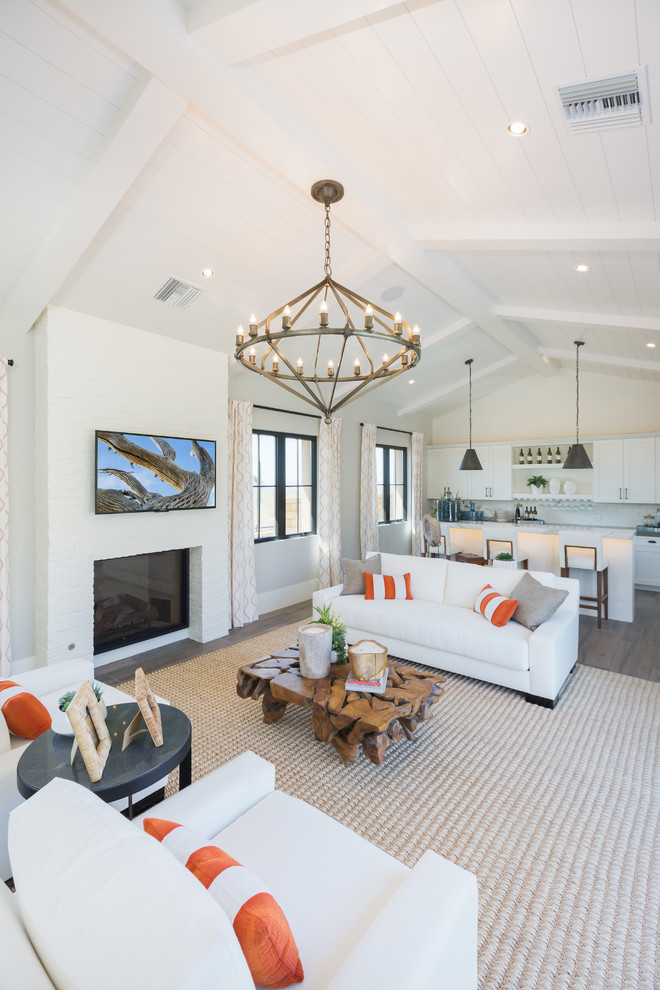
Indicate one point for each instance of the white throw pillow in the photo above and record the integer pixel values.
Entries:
(87, 878)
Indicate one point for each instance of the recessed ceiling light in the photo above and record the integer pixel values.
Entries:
(582, 268)
(394, 292)
(207, 273)
(650, 344)
(518, 128)
(411, 381)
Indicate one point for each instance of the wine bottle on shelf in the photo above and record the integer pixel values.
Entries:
(539, 456)
(521, 457)
(558, 456)
(548, 457)
(529, 455)
(534, 513)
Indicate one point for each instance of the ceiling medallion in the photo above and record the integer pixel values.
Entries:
(328, 361)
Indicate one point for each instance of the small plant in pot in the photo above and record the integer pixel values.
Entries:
(537, 483)
(505, 559)
(61, 723)
(328, 617)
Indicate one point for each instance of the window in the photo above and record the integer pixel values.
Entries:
(392, 483)
(284, 480)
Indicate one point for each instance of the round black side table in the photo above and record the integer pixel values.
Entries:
(140, 765)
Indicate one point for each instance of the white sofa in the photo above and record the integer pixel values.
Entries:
(440, 628)
(48, 684)
(86, 877)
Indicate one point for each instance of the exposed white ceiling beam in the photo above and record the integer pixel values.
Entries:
(257, 28)
(589, 358)
(430, 397)
(281, 141)
(127, 149)
(433, 339)
(573, 237)
(529, 314)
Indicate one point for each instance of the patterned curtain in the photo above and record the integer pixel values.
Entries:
(5, 637)
(417, 485)
(368, 491)
(329, 526)
(242, 581)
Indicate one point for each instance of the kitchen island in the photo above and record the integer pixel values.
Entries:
(540, 544)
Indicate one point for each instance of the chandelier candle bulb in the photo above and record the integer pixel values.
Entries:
(368, 318)
(252, 356)
(239, 336)
(299, 366)
(276, 365)
(331, 368)
(356, 367)
(398, 325)
(404, 360)
(253, 326)
(286, 318)
(415, 336)
(323, 314)
(385, 358)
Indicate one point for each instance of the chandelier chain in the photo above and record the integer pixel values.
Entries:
(327, 267)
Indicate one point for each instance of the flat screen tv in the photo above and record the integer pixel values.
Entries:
(139, 473)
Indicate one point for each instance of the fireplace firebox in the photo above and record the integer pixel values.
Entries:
(139, 597)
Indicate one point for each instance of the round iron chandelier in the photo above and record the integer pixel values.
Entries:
(329, 361)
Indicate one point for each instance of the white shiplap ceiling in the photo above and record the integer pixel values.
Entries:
(147, 139)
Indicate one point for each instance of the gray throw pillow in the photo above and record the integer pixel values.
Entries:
(536, 602)
(354, 573)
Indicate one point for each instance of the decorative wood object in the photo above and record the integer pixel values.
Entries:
(94, 754)
(315, 640)
(347, 720)
(367, 659)
(148, 706)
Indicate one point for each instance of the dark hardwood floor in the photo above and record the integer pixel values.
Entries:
(622, 647)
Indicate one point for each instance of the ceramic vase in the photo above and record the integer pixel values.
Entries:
(555, 486)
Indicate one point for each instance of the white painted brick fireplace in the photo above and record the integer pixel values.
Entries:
(93, 374)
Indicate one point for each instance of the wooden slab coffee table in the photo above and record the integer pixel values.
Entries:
(345, 719)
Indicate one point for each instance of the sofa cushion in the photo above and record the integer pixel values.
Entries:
(330, 882)
(21, 968)
(465, 581)
(24, 714)
(354, 573)
(261, 928)
(86, 877)
(536, 602)
(388, 587)
(494, 607)
(427, 575)
(441, 627)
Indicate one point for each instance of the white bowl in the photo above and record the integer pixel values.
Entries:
(570, 488)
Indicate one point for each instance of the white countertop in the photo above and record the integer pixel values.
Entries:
(540, 529)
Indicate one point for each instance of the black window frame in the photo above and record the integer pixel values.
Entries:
(281, 485)
(387, 493)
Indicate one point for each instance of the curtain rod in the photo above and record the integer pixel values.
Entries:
(287, 412)
(392, 430)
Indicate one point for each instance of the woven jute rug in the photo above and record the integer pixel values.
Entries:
(556, 812)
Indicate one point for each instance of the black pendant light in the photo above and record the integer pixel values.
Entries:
(470, 460)
(577, 456)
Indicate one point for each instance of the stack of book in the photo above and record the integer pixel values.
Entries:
(371, 687)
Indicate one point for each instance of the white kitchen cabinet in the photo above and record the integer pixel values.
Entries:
(492, 482)
(625, 470)
(496, 481)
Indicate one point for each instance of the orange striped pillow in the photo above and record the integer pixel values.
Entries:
(495, 607)
(261, 928)
(24, 714)
(383, 586)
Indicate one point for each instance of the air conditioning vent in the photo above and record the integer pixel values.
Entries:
(606, 102)
(177, 293)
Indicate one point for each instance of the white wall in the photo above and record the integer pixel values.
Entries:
(542, 407)
(92, 374)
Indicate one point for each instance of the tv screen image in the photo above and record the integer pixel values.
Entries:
(155, 474)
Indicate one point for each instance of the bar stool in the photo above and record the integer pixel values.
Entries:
(501, 539)
(437, 540)
(582, 550)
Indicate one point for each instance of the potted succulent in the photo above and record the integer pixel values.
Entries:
(536, 484)
(60, 722)
(328, 617)
(505, 559)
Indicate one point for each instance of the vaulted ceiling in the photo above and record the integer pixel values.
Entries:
(143, 139)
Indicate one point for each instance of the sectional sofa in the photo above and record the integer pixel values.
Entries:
(439, 627)
(101, 904)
